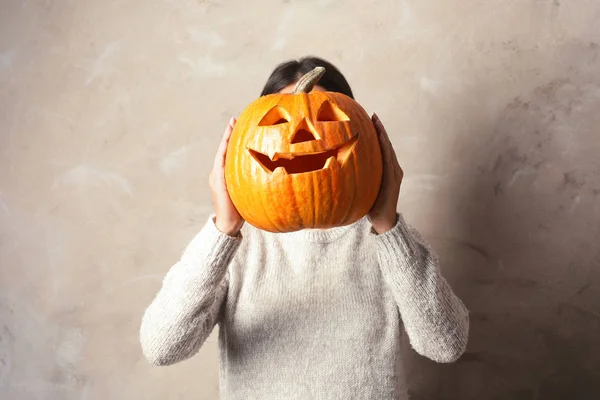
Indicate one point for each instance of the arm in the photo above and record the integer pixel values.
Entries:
(186, 309)
(435, 319)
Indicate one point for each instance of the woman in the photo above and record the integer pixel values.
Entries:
(313, 314)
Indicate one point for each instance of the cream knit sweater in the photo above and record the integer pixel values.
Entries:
(313, 314)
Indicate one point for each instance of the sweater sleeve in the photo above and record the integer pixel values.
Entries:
(186, 308)
(435, 319)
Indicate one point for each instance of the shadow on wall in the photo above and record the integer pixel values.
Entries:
(532, 215)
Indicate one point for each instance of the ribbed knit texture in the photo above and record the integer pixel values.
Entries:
(314, 314)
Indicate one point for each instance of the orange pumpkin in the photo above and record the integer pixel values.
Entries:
(306, 159)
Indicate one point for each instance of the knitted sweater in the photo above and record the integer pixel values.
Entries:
(313, 314)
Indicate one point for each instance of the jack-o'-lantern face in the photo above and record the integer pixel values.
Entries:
(303, 160)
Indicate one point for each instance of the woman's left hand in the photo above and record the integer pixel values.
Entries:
(383, 213)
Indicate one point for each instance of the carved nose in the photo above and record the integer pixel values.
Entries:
(303, 135)
(304, 132)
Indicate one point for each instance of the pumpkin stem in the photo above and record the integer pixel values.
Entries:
(309, 80)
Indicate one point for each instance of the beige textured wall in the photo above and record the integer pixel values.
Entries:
(110, 112)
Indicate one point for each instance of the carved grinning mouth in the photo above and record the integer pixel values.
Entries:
(297, 163)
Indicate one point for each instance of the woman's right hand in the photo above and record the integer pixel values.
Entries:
(228, 220)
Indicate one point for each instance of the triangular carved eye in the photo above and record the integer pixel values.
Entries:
(274, 116)
(330, 112)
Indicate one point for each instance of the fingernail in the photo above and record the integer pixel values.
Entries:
(231, 121)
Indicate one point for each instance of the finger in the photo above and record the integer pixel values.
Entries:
(392, 170)
(379, 126)
(222, 150)
(390, 146)
(229, 129)
(386, 146)
(381, 130)
(388, 143)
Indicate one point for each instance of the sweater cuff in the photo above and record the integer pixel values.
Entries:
(212, 250)
(398, 241)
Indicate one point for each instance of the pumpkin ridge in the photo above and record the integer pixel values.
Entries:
(349, 210)
(265, 194)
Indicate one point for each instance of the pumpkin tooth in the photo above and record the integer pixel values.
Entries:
(273, 155)
(345, 150)
(287, 156)
(261, 159)
(331, 161)
(280, 171)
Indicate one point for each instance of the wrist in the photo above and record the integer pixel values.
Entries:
(229, 228)
(383, 225)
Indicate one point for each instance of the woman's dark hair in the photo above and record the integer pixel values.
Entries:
(289, 72)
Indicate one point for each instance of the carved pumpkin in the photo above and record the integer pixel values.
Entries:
(306, 159)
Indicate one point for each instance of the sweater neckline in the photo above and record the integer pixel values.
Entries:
(318, 235)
